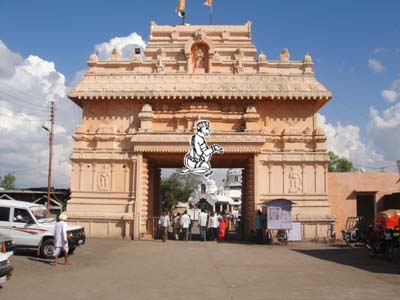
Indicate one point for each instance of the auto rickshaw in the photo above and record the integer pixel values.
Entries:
(387, 219)
(385, 235)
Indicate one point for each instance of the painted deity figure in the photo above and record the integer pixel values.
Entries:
(199, 58)
(197, 160)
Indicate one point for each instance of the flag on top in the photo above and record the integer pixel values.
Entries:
(180, 8)
(208, 2)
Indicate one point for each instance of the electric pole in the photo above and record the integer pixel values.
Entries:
(50, 153)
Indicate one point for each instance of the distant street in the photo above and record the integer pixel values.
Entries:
(118, 269)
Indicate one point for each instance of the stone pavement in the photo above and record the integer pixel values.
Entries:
(120, 269)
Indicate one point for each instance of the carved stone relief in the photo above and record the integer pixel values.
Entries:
(200, 58)
(295, 181)
(103, 180)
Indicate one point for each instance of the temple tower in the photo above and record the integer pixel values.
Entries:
(138, 116)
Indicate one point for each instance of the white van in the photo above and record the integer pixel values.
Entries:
(32, 226)
(6, 268)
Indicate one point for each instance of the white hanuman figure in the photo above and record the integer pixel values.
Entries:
(197, 160)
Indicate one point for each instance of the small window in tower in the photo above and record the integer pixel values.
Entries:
(203, 188)
(236, 178)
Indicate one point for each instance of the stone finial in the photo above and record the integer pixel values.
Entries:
(262, 57)
(93, 57)
(307, 58)
(198, 35)
(285, 55)
(115, 55)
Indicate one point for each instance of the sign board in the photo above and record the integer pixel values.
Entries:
(294, 234)
(279, 214)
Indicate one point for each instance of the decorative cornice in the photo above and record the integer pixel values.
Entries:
(191, 86)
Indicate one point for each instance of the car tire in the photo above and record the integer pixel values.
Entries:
(47, 249)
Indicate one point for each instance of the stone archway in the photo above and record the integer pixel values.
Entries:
(135, 112)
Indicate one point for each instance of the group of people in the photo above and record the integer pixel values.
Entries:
(212, 226)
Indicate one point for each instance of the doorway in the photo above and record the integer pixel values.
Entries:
(366, 207)
(152, 201)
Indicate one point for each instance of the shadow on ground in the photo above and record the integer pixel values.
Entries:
(356, 258)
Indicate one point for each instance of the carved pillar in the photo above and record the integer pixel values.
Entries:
(302, 178)
(111, 177)
(126, 177)
(144, 209)
(138, 200)
(94, 176)
(284, 178)
(80, 176)
(325, 177)
(315, 178)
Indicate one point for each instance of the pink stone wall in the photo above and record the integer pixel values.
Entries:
(342, 196)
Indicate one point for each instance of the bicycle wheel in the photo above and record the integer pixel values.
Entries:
(282, 237)
(389, 251)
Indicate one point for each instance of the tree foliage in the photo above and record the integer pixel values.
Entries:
(339, 164)
(177, 188)
(8, 181)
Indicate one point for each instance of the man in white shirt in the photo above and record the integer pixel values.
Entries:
(203, 218)
(164, 221)
(185, 223)
(60, 239)
(213, 225)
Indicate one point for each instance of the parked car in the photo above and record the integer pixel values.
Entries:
(32, 226)
(7, 245)
(6, 268)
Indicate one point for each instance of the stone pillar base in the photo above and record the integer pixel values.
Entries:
(104, 226)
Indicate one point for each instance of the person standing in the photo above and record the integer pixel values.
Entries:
(221, 230)
(177, 225)
(185, 224)
(203, 217)
(213, 226)
(259, 227)
(60, 239)
(164, 222)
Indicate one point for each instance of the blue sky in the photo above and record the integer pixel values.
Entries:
(355, 46)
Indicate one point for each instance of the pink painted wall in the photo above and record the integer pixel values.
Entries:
(342, 196)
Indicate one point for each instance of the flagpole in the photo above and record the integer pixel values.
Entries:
(211, 14)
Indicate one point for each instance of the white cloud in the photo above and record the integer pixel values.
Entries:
(395, 84)
(389, 95)
(8, 61)
(384, 131)
(346, 142)
(25, 94)
(376, 65)
(126, 45)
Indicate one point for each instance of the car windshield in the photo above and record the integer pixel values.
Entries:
(41, 214)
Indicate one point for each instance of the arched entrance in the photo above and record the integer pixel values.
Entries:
(151, 201)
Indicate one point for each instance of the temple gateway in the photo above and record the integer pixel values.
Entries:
(138, 116)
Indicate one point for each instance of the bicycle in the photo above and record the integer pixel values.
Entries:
(282, 237)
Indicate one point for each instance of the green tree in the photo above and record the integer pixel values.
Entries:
(8, 181)
(177, 188)
(339, 164)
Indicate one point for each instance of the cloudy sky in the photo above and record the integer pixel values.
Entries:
(44, 46)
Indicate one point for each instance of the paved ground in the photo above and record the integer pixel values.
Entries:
(115, 269)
